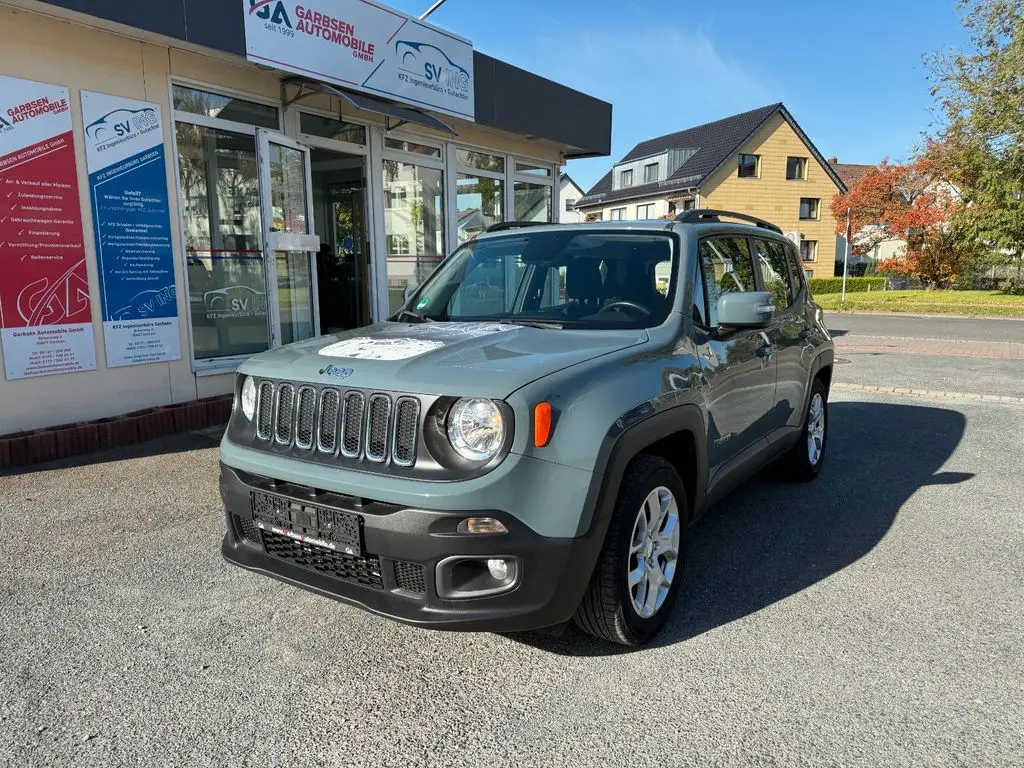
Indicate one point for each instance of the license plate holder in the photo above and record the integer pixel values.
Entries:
(316, 524)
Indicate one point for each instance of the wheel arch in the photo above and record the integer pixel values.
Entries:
(677, 434)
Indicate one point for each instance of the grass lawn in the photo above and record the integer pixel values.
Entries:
(940, 302)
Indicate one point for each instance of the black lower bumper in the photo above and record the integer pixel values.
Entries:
(402, 552)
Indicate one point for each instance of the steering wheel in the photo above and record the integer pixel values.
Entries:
(624, 303)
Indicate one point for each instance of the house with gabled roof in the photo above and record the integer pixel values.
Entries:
(759, 162)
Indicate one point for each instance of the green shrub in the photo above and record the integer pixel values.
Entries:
(1014, 286)
(821, 285)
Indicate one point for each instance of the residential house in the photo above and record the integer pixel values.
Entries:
(568, 193)
(760, 163)
(850, 174)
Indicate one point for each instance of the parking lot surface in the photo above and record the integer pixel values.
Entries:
(873, 617)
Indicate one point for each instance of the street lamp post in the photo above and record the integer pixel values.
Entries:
(846, 255)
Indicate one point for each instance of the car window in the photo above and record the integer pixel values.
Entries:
(795, 267)
(486, 289)
(771, 260)
(727, 268)
(700, 307)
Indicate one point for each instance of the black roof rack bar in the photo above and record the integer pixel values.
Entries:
(501, 225)
(699, 215)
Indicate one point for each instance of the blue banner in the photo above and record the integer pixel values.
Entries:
(132, 228)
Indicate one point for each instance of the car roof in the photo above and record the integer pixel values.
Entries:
(638, 225)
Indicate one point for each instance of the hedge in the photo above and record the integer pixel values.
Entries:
(821, 285)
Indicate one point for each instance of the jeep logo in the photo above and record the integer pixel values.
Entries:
(333, 370)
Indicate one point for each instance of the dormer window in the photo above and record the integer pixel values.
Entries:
(650, 173)
(626, 178)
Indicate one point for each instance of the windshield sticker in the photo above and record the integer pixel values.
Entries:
(369, 348)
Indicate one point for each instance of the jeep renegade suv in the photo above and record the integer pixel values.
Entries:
(526, 442)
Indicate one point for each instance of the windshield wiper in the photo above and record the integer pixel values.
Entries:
(414, 315)
(553, 324)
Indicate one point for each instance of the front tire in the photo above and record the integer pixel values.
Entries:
(637, 578)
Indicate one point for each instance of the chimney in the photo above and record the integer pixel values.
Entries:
(833, 160)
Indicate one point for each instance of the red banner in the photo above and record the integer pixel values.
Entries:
(45, 311)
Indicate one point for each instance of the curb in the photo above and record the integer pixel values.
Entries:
(965, 397)
(37, 446)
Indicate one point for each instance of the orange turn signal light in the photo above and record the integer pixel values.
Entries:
(541, 424)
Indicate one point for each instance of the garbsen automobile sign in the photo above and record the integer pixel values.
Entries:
(364, 46)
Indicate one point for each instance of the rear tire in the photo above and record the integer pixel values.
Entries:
(807, 457)
(628, 600)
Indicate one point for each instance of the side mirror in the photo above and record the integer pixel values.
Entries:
(410, 289)
(750, 309)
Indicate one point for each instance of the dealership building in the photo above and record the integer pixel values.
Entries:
(184, 184)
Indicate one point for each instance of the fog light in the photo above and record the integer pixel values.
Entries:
(498, 569)
(481, 525)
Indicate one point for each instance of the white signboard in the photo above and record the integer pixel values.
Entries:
(45, 312)
(364, 46)
(124, 149)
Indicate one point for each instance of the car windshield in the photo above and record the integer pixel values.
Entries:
(554, 278)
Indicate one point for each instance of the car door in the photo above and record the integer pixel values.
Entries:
(738, 367)
(788, 329)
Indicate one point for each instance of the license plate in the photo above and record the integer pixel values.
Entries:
(320, 526)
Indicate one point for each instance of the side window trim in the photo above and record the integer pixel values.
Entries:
(701, 285)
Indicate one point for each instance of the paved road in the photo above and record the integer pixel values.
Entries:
(871, 618)
(933, 327)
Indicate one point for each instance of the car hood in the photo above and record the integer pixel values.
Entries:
(480, 359)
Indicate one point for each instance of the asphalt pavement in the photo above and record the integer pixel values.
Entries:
(873, 617)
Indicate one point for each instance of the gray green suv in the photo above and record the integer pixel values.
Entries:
(526, 442)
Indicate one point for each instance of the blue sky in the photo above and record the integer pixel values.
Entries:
(851, 73)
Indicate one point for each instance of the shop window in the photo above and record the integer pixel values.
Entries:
(420, 222)
(809, 207)
(332, 128)
(410, 146)
(532, 202)
(645, 211)
(650, 173)
(533, 169)
(480, 203)
(749, 166)
(237, 110)
(482, 161)
(395, 198)
(220, 202)
(796, 168)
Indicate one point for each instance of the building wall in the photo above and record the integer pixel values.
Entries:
(46, 49)
(568, 191)
(773, 197)
(660, 208)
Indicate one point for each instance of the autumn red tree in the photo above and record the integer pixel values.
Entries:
(909, 202)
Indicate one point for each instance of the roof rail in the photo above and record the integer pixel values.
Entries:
(502, 225)
(698, 215)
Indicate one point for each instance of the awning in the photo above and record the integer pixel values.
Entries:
(399, 115)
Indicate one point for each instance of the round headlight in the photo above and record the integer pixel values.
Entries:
(248, 398)
(476, 429)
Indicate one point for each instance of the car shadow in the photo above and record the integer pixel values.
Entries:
(771, 539)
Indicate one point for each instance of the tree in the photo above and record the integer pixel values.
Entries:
(980, 94)
(909, 202)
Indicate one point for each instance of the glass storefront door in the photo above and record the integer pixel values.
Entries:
(288, 236)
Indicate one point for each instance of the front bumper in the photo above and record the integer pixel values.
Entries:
(396, 572)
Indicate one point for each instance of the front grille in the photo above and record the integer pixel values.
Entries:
(306, 416)
(327, 428)
(409, 576)
(377, 428)
(352, 428)
(265, 418)
(285, 414)
(248, 528)
(357, 425)
(357, 570)
(407, 416)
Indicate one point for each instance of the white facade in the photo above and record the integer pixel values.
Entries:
(568, 194)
